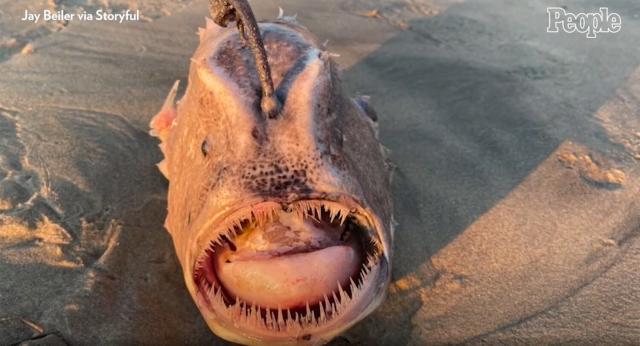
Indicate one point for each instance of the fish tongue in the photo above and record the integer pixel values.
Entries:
(292, 280)
(288, 262)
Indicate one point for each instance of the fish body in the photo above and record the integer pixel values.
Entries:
(283, 225)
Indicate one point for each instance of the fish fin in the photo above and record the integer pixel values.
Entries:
(162, 122)
(368, 113)
(162, 166)
(363, 102)
(287, 19)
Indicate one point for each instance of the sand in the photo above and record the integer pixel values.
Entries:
(516, 189)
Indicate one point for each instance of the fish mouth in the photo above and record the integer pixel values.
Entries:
(295, 272)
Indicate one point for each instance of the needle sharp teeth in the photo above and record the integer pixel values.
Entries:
(254, 315)
(237, 309)
(344, 297)
(269, 320)
(314, 322)
(281, 324)
(288, 321)
(317, 211)
(261, 321)
(243, 313)
(343, 217)
(215, 294)
(308, 315)
(313, 314)
(322, 317)
(327, 305)
(274, 321)
(336, 302)
(355, 290)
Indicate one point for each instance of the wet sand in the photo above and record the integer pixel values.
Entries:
(516, 188)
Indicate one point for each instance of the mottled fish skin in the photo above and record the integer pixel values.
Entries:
(222, 154)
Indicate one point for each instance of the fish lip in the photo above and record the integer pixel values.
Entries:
(371, 298)
(202, 239)
(230, 331)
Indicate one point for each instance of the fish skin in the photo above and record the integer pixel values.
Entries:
(222, 153)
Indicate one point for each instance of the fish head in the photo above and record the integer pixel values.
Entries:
(283, 226)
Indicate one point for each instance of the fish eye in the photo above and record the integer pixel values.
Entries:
(205, 147)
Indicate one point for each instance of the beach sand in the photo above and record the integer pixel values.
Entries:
(516, 187)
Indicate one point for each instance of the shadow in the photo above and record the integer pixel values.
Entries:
(470, 104)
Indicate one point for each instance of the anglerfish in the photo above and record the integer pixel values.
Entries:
(279, 201)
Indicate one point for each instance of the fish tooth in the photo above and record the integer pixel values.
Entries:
(327, 305)
(290, 321)
(338, 308)
(274, 318)
(268, 317)
(314, 321)
(308, 315)
(335, 298)
(243, 312)
(280, 319)
(261, 321)
(322, 317)
(342, 217)
(354, 288)
(254, 314)
(344, 297)
(237, 309)
(213, 293)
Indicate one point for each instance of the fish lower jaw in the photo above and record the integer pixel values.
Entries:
(315, 324)
(290, 274)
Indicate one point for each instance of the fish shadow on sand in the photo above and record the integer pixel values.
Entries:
(469, 111)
